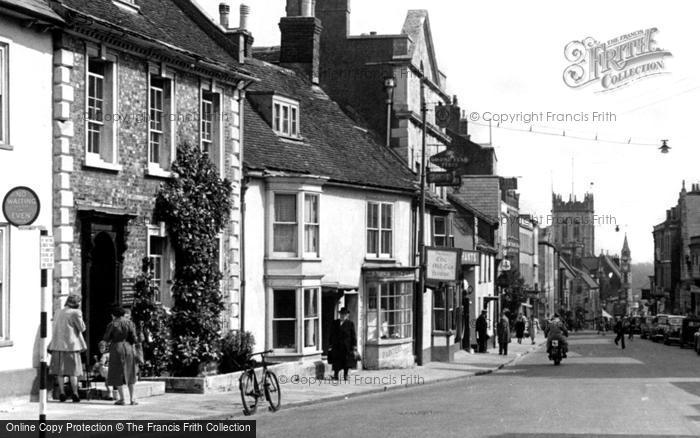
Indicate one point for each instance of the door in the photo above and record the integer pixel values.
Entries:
(329, 302)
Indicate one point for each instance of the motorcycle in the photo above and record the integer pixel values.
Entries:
(556, 352)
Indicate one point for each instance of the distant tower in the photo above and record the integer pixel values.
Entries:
(626, 272)
(574, 226)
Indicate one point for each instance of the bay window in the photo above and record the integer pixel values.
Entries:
(379, 229)
(296, 316)
(295, 219)
(284, 320)
(311, 318)
(389, 310)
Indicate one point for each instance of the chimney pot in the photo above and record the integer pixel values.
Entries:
(245, 13)
(224, 10)
(374, 32)
(307, 8)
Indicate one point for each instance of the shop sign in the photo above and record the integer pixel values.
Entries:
(442, 264)
(470, 257)
(21, 206)
(505, 265)
(444, 179)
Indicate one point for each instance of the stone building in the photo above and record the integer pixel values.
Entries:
(573, 223)
(133, 80)
(26, 159)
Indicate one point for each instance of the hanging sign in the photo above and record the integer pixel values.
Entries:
(442, 264)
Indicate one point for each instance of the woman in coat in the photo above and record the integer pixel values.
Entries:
(503, 330)
(342, 344)
(66, 345)
(121, 335)
(520, 328)
(534, 327)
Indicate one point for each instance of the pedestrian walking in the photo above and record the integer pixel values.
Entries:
(520, 327)
(630, 328)
(342, 350)
(121, 336)
(503, 330)
(482, 335)
(66, 345)
(620, 331)
(534, 328)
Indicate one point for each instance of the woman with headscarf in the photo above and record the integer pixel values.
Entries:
(66, 345)
(121, 335)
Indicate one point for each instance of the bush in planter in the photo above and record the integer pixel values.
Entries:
(236, 348)
(194, 207)
(152, 322)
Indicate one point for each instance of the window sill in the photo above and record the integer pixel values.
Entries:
(6, 343)
(6, 147)
(387, 259)
(158, 172)
(290, 138)
(102, 165)
(279, 258)
(382, 342)
(443, 333)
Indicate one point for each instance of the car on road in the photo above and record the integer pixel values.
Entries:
(690, 327)
(657, 331)
(646, 325)
(672, 329)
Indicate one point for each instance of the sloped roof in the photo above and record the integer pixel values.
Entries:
(332, 144)
(466, 206)
(586, 277)
(613, 266)
(38, 8)
(160, 20)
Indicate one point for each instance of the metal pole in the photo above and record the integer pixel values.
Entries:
(421, 230)
(43, 369)
(388, 123)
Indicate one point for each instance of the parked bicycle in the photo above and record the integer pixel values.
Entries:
(251, 389)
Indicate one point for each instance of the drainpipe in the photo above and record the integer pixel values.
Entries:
(244, 187)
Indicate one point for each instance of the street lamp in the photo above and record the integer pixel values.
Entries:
(664, 147)
(389, 86)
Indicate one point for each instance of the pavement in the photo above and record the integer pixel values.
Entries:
(296, 391)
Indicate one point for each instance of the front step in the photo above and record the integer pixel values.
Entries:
(98, 391)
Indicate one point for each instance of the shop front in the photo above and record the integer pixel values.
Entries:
(388, 316)
(443, 279)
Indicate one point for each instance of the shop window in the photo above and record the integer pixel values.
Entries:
(284, 320)
(162, 257)
(311, 224)
(210, 133)
(4, 87)
(379, 229)
(443, 309)
(160, 134)
(311, 318)
(285, 224)
(4, 290)
(390, 310)
(100, 112)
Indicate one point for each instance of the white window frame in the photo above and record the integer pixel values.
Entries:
(297, 343)
(301, 224)
(167, 130)
(303, 319)
(4, 285)
(166, 260)
(217, 125)
(295, 251)
(109, 110)
(379, 230)
(285, 123)
(382, 287)
(311, 225)
(4, 95)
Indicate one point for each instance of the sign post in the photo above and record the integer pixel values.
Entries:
(21, 208)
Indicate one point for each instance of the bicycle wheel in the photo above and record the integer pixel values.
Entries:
(249, 393)
(272, 390)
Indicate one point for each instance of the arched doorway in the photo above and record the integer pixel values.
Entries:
(102, 291)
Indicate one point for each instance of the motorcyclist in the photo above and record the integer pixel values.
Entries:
(556, 329)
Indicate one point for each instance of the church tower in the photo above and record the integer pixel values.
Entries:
(573, 222)
(626, 271)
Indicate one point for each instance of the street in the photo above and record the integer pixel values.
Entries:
(648, 389)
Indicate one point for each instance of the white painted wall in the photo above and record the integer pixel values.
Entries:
(254, 300)
(29, 163)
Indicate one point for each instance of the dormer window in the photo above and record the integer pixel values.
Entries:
(285, 117)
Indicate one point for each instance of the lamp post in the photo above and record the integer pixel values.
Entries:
(421, 229)
(389, 85)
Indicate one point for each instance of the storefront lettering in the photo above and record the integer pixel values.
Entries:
(392, 351)
(441, 265)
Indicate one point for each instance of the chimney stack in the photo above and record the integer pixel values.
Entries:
(301, 38)
(224, 11)
(245, 13)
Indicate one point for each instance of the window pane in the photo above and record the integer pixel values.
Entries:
(311, 332)
(277, 117)
(386, 242)
(372, 242)
(386, 216)
(285, 119)
(285, 238)
(156, 245)
(372, 215)
(310, 303)
(372, 298)
(295, 128)
(372, 325)
(311, 239)
(439, 225)
(311, 209)
(284, 304)
(285, 208)
(284, 334)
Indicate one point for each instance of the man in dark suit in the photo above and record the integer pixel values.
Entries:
(481, 332)
(342, 344)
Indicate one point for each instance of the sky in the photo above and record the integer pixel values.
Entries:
(507, 57)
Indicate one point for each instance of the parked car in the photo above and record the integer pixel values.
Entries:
(646, 325)
(672, 329)
(691, 325)
(657, 331)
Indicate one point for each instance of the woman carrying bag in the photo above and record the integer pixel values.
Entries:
(66, 345)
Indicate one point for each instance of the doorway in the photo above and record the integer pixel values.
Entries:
(102, 289)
